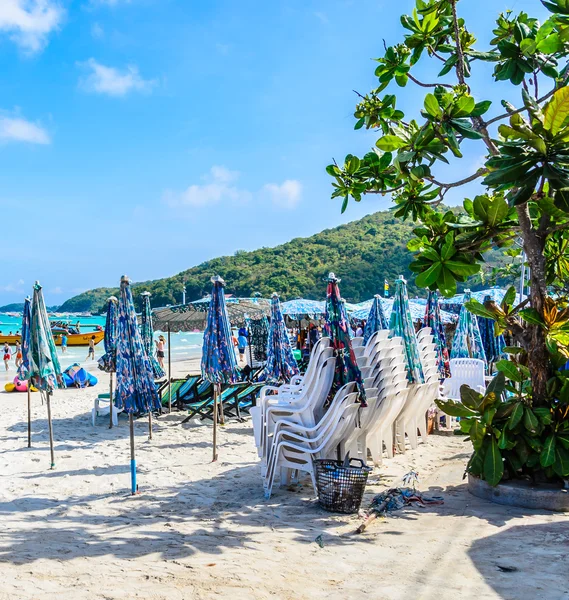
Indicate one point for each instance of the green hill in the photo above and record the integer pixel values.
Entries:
(362, 253)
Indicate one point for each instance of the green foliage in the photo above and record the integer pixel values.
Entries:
(525, 204)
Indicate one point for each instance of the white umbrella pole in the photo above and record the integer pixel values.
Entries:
(50, 427)
(111, 401)
(29, 415)
(169, 373)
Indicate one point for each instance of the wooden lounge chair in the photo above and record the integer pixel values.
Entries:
(205, 408)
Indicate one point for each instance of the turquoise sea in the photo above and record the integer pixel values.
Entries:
(184, 345)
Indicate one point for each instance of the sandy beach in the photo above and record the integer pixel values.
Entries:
(203, 530)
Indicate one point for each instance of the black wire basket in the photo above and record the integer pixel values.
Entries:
(340, 485)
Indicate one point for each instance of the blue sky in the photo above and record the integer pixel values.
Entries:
(146, 136)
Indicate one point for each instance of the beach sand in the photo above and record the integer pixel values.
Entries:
(200, 530)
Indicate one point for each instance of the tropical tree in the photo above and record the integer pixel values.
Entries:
(524, 201)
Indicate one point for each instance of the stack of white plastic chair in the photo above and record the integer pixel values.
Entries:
(386, 391)
(295, 446)
(301, 402)
(420, 397)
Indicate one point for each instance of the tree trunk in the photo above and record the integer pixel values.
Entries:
(538, 356)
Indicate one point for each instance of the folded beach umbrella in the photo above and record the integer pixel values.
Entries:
(108, 362)
(376, 319)
(493, 345)
(147, 333)
(281, 365)
(433, 320)
(25, 364)
(336, 327)
(218, 364)
(136, 392)
(401, 324)
(467, 342)
(43, 370)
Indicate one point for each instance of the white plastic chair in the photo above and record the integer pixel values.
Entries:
(464, 371)
(100, 411)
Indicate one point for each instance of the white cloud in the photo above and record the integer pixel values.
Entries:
(56, 290)
(29, 22)
(217, 187)
(113, 82)
(16, 129)
(17, 286)
(97, 32)
(285, 195)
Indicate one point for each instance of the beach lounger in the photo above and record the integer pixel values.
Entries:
(205, 408)
(244, 400)
(180, 389)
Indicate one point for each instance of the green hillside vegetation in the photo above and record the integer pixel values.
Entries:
(362, 253)
(19, 307)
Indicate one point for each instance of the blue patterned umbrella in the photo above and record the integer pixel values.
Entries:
(493, 345)
(108, 362)
(136, 392)
(281, 365)
(218, 355)
(467, 342)
(43, 369)
(25, 364)
(375, 320)
(147, 333)
(402, 326)
(336, 327)
(433, 320)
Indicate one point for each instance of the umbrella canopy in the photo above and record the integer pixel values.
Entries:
(193, 316)
(136, 392)
(375, 320)
(493, 345)
(281, 365)
(300, 308)
(401, 324)
(336, 327)
(434, 321)
(43, 370)
(108, 362)
(219, 364)
(416, 306)
(467, 342)
(147, 333)
(26, 323)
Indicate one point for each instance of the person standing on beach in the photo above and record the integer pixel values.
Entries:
(64, 342)
(91, 353)
(242, 344)
(78, 327)
(7, 356)
(160, 344)
(18, 354)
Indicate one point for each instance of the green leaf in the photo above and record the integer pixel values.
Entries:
(477, 433)
(493, 464)
(428, 277)
(561, 464)
(462, 269)
(516, 415)
(478, 309)
(432, 106)
(480, 108)
(509, 297)
(510, 370)
(543, 414)
(463, 107)
(469, 397)
(556, 111)
(390, 142)
(530, 420)
(530, 315)
(503, 441)
(497, 385)
(547, 456)
(454, 409)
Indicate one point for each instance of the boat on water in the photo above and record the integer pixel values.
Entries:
(73, 339)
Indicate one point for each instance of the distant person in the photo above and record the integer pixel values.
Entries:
(314, 335)
(160, 345)
(359, 330)
(10, 333)
(241, 345)
(64, 342)
(78, 327)
(7, 356)
(18, 354)
(91, 353)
